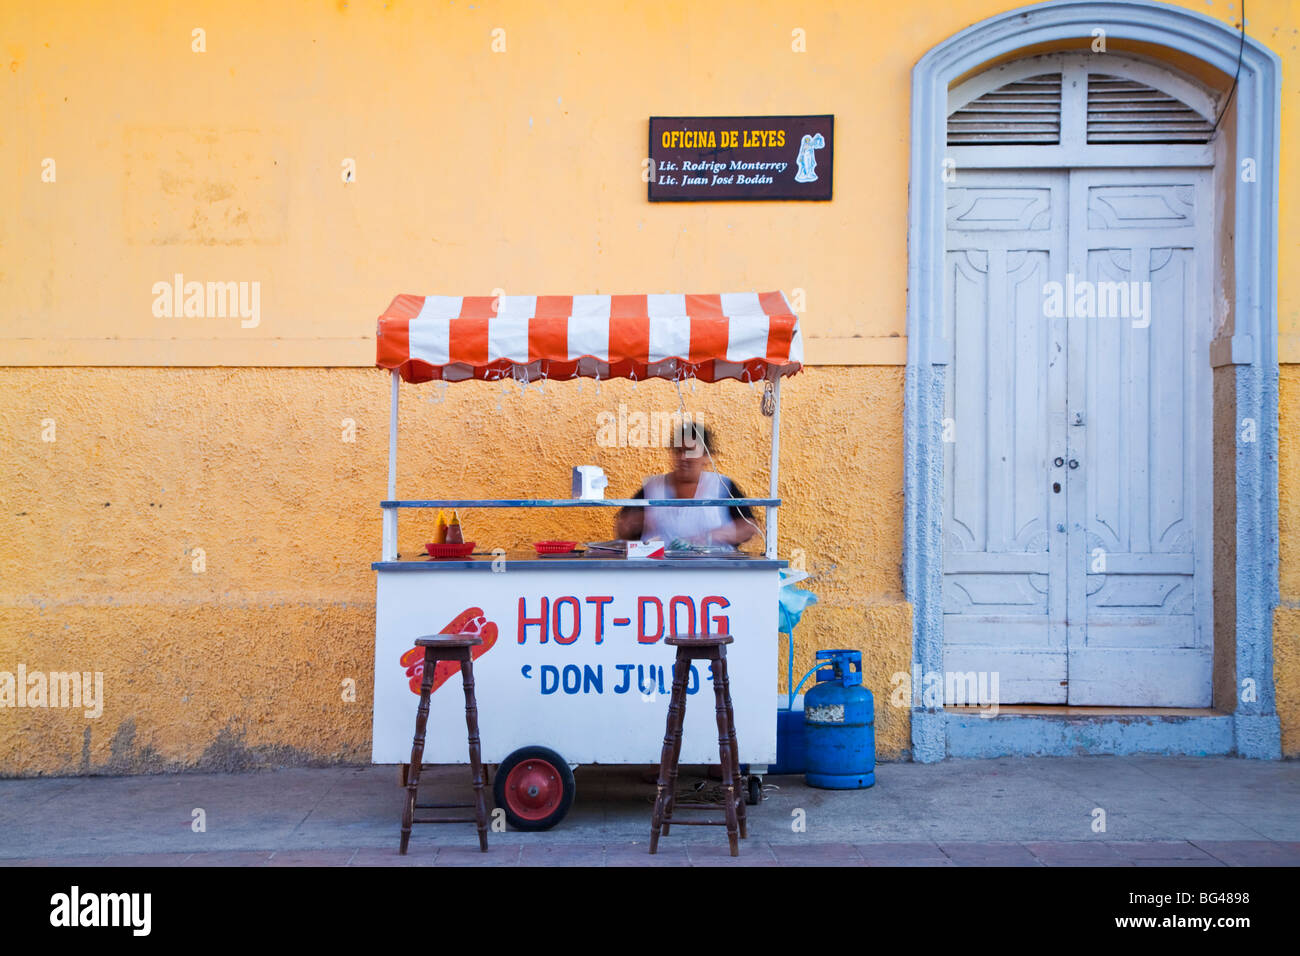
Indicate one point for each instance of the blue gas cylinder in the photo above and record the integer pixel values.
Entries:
(839, 719)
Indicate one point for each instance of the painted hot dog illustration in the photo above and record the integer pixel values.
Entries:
(469, 621)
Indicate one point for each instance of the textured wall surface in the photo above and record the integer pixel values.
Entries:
(241, 664)
(1286, 621)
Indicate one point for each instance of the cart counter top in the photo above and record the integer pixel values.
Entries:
(526, 560)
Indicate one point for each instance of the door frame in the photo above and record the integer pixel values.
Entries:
(1246, 350)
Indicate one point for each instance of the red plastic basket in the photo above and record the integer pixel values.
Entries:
(450, 550)
(554, 547)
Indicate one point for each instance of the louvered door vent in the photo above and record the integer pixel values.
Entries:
(1027, 111)
(1125, 111)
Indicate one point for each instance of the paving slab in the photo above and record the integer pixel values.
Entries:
(311, 857)
(577, 854)
(819, 854)
(989, 854)
(1161, 850)
(638, 854)
(750, 854)
(229, 858)
(1252, 852)
(1077, 854)
(472, 856)
(903, 854)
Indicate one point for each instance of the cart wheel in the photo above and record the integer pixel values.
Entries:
(535, 788)
(755, 796)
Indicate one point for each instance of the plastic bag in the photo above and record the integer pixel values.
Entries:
(792, 601)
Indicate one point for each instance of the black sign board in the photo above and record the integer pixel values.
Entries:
(740, 157)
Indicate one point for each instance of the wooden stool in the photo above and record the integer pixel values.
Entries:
(712, 648)
(446, 647)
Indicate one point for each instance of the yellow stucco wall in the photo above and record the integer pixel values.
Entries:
(475, 170)
(1286, 619)
(243, 663)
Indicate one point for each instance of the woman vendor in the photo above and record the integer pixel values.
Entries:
(692, 448)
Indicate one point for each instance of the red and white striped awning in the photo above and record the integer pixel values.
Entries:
(749, 336)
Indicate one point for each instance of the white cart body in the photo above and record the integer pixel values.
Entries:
(595, 691)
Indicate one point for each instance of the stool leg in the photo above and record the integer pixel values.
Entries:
(667, 761)
(475, 754)
(724, 754)
(735, 751)
(417, 750)
(682, 673)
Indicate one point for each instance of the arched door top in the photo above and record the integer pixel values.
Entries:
(1205, 102)
(1080, 109)
(1142, 21)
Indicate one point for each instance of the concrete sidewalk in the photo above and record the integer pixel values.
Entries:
(1038, 811)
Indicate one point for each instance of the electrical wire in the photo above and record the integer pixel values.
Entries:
(1233, 89)
(681, 405)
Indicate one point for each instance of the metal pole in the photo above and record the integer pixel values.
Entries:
(390, 514)
(769, 511)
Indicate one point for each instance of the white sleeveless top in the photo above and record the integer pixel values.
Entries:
(670, 523)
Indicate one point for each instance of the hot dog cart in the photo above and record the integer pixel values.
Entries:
(573, 669)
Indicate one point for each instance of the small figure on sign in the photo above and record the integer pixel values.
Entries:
(807, 159)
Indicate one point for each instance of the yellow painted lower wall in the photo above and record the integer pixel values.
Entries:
(242, 664)
(1286, 675)
(1286, 620)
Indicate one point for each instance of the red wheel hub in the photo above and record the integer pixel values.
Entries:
(534, 789)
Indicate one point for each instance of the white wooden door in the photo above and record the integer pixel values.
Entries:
(1004, 559)
(1140, 499)
(1077, 429)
